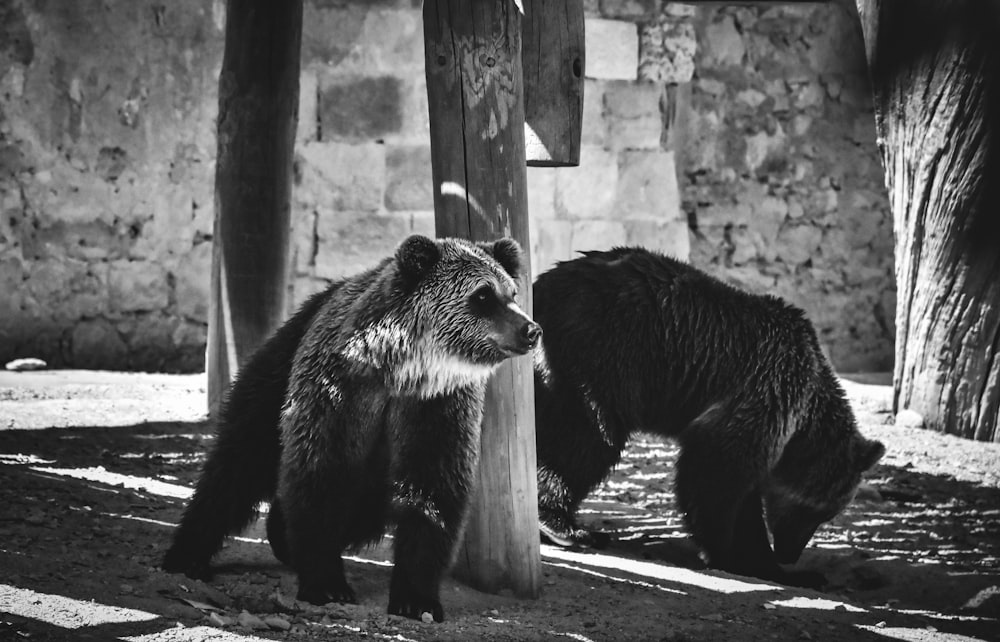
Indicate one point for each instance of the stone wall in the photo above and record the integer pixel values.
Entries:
(783, 185)
(107, 164)
(106, 159)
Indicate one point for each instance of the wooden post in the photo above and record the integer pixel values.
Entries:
(934, 68)
(554, 65)
(475, 94)
(258, 105)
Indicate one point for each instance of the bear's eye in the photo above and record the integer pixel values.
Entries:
(482, 296)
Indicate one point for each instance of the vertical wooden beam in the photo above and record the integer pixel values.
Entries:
(475, 94)
(554, 65)
(258, 105)
(935, 69)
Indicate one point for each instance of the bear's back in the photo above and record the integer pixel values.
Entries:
(629, 315)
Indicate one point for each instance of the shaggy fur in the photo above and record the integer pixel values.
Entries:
(636, 341)
(380, 383)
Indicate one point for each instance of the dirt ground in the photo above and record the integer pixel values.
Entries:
(95, 469)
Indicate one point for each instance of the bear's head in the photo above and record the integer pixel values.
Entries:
(806, 491)
(461, 298)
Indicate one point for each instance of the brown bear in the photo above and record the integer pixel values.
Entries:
(364, 409)
(637, 341)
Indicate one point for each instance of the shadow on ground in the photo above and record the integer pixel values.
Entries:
(88, 512)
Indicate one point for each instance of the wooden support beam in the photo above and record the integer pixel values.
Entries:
(554, 64)
(937, 118)
(475, 94)
(258, 105)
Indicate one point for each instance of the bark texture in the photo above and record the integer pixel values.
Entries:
(935, 82)
(475, 95)
(258, 106)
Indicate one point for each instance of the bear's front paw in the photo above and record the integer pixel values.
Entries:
(573, 538)
(416, 607)
(407, 600)
(174, 562)
(319, 594)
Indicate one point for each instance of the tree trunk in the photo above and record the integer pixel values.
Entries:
(258, 105)
(476, 106)
(935, 81)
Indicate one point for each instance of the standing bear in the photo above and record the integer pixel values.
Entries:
(364, 409)
(636, 341)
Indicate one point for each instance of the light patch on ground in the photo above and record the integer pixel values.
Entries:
(99, 474)
(64, 612)
(658, 572)
(916, 635)
(821, 604)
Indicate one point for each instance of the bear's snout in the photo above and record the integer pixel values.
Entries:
(531, 333)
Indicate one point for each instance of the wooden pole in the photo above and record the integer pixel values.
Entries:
(475, 94)
(935, 70)
(554, 65)
(258, 105)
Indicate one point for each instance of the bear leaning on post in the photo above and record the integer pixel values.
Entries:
(636, 341)
(364, 409)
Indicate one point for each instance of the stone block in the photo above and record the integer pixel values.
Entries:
(587, 191)
(630, 101)
(170, 228)
(741, 245)
(96, 344)
(630, 9)
(798, 243)
(641, 133)
(392, 42)
(551, 241)
(612, 49)
(341, 176)
(808, 95)
(542, 192)
(193, 281)
(409, 184)
(724, 213)
(722, 43)
(348, 242)
(330, 34)
(667, 237)
(415, 129)
(359, 108)
(595, 127)
(633, 116)
(597, 235)
(763, 147)
(647, 187)
(137, 286)
(667, 50)
(66, 289)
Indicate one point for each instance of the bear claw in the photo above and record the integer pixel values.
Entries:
(417, 609)
(574, 538)
(319, 596)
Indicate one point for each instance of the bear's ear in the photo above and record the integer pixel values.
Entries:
(507, 252)
(869, 452)
(416, 256)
